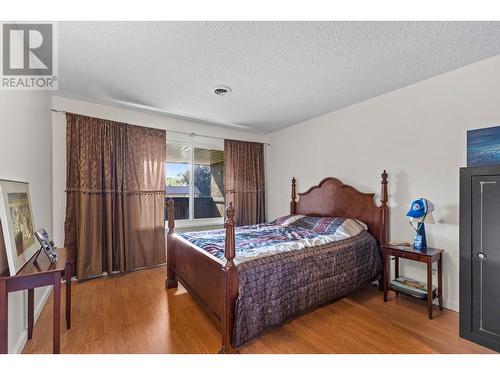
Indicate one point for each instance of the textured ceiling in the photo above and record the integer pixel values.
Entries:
(281, 73)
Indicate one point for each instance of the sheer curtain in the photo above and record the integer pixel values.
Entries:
(244, 180)
(115, 195)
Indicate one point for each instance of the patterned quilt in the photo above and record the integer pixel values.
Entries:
(276, 288)
(286, 233)
(292, 264)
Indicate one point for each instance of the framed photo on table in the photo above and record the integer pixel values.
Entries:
(4, 265)
(16, 218)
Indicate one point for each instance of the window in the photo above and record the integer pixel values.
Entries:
(195, 181)
(177, 184)
(208, 183)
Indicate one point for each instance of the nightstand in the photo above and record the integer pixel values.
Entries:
(428, 256)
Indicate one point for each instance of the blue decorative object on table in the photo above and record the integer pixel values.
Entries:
(420, 212)
(483, 146)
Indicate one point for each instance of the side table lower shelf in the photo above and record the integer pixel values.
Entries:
(412, 288)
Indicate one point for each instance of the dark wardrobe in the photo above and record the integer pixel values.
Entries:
(480, 255)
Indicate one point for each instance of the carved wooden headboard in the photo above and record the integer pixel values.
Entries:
(333, 198)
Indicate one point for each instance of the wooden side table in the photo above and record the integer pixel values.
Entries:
(38, 272)
(428, 256)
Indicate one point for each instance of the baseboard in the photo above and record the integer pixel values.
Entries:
(451, 305)
(23, 337)
(21, 342)
(41, 304)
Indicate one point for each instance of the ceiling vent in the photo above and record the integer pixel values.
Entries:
(222, 90)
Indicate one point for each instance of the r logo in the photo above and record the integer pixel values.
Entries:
(27, 49)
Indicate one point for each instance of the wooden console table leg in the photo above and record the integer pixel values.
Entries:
(385, 277)
(31, 318)
(440, 281)
(429, 288)
(396, 270)
(67, 277)
(57, 314)
(4, 311)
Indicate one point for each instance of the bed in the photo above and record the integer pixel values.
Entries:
(252, 278)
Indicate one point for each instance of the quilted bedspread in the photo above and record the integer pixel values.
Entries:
(292, 264)
(286, 233)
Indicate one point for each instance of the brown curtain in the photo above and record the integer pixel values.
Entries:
(244, 180)
(115, 195)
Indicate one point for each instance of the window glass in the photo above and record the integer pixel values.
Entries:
(178, 178)
(194, 179)
(208, 178)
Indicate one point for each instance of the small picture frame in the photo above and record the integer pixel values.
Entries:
(46, 244)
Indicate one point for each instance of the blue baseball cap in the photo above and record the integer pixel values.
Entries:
(420, 207)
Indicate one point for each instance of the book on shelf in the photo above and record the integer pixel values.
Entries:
(412, 287)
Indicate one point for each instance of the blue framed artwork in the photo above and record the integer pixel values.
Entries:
(483, 146)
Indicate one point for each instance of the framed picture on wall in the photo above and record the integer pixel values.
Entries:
(16, 217)
(483, 146)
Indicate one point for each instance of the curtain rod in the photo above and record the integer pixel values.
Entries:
(179, 132)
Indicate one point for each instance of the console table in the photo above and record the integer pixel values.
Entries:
(38, 272)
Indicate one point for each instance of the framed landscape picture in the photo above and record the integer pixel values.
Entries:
(483, 146)
(16, 218)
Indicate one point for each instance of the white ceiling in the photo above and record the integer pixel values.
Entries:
(281, 73)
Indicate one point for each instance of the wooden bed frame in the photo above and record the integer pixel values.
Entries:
(214, 283)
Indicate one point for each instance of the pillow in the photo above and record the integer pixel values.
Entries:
(329, 225)
(286, 220)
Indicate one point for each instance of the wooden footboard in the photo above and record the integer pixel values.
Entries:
(212, 283)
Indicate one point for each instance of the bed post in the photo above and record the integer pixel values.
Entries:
(384, 219)
(293, 203)
(229, 284)
(171, 215)
(384, 209)
(171, 281)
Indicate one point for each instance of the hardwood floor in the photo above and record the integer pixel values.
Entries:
(134, 313)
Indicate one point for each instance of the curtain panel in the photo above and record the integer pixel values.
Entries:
(114, 195)
(244, 180)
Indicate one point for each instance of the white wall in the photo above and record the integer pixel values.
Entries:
(417, 133)
(122, 115)
(25, 155)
